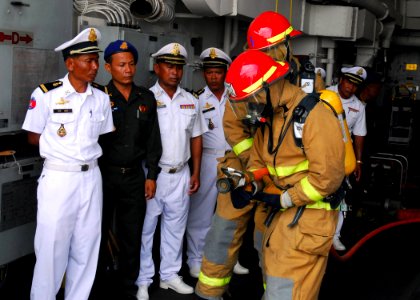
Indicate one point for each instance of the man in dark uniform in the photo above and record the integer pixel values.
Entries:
(136, 139)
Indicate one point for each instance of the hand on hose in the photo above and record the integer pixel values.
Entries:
(246, 180)
(240, 197)
(274, 196)
(237, 178)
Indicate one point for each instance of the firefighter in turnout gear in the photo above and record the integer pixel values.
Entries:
(297, 241)
(212, 101)
(220, 256)
(271, 33)
(229, 224)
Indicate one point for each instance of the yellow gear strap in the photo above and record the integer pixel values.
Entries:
(309, 190)
(321, 205)
(214, 281)
(288, 170)
(280, 36)
(243, 146)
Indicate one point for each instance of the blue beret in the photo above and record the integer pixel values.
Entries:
(120, 46)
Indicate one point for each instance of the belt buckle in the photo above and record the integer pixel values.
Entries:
(84, 168)
(172, 170)
(124, 170)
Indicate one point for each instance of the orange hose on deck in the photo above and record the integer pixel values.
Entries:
(370, 235)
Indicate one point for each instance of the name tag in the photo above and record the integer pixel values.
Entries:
(63, 111)
(209, 109)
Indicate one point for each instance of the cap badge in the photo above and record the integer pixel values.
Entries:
(92, 35)
(124, 46)
(360, 72)
(213, 54)
(175, 50)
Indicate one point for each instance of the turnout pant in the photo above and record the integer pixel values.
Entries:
(295, 258)
(225, 237)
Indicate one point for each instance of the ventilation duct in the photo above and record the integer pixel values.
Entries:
(388, 31)
(153, 10)
(212, 8)
(377, 7)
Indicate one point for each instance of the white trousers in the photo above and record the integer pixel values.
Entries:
(340, 222)
(202, 207)
(171, 202)
(68, 233)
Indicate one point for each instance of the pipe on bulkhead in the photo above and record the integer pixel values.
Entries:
(330, 66)
(153, 10)
(230, 38)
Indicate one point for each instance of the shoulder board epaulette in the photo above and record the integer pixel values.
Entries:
(45, 87)
(100, 87)
(192, 92)
(200, 91)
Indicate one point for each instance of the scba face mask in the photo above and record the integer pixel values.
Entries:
(248, 79)
(250, 109)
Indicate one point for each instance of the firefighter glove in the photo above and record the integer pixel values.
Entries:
(273, 195)
(282, 201)
(286, 200)
(240, 198)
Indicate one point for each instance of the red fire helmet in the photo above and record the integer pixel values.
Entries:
(268, 29)
(250, 70)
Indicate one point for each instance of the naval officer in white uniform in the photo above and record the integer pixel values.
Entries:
(351, 79)
(65, 118)
(181, 126)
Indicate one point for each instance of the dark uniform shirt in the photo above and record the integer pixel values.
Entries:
(137, 135)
